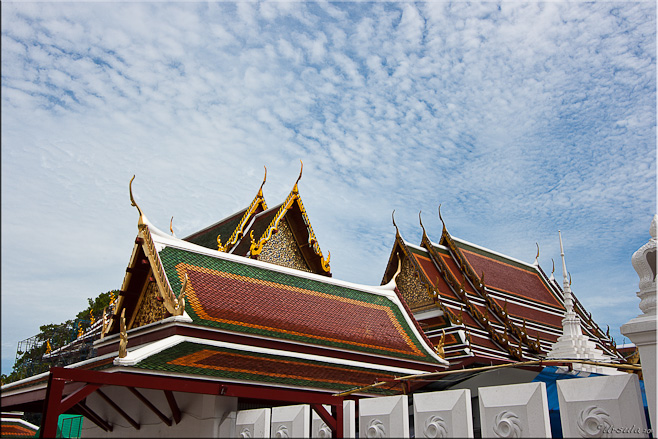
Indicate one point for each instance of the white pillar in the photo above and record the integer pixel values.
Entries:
(642, 329)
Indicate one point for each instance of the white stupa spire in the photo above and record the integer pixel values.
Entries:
(572, 344)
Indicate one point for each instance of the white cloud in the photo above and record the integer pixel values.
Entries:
(521, 118)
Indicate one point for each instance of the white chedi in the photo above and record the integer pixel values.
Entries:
(573, 344)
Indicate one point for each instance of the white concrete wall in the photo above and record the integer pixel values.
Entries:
(201, 415)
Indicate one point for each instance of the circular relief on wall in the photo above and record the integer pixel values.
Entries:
(507, 424)
(593, 421)
(376, 429)
(435, 427)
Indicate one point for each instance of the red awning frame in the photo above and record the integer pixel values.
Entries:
(79, 384)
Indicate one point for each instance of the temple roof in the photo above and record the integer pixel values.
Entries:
(238, 295)
(253, 229)
(485, 305)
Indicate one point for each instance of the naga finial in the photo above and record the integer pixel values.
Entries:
(441, 218)
(295, 189)
(553, 270)
(395, 225)
(420, 219)
(180, 305)
(171, 226)
(440, 347)
(123, 335)
(134, 203)
(104, 328)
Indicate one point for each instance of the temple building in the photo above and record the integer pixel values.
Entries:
(486, 308)
(207, 325)
(245, 314)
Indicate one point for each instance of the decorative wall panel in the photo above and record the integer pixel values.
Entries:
(291, 421)
(607, 406)
(282, 250)
(443, 414)
(387, 416)
(516, 410)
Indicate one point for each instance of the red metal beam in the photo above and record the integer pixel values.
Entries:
(337, 411)
(93, 417)
(118, 409)
(190, 385)
(325, 416)
(51, 407)
(175, 411)
(150, 405)
(77, 396)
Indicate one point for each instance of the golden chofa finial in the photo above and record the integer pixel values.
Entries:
(132, 202)
(420, 219)
(295, 189)
(260, 190)
(171, 226)
(393, 219)
(441, 218)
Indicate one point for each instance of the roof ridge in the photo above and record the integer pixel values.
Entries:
(502, 255)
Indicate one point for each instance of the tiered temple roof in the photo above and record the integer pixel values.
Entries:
(191, 310)
(281, 235)
(481, 305)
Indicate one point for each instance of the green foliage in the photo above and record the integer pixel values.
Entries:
(31, 362)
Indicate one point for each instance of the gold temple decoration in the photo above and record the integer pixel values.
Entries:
(171, 226)
(80, 330)
(91, 317)
(537, 257)
(257, 246)
(442, 222)
(48, 347)
(239, 230)
(171, 302)
(123, 335)
(104, 328)
(133, 203)
(221, 247)
(440, 347)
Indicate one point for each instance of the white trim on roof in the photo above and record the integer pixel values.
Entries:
(134, 357)
(20, 421)
(386, 291)
(463, 241)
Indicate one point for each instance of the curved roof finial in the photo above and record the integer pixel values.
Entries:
(132, 201)
(537, 257)
(171, 226)
(260, 190)
(441, 218)
(397, 231)
(553, 270)
(421, 222)
(300, 175)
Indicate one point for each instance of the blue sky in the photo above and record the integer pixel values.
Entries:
(521, 118)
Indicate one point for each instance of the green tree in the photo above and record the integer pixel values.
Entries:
(31, 362)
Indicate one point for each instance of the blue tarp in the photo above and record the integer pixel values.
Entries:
(549, 375)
